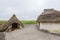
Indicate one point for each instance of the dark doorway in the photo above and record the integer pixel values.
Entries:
(14, 25)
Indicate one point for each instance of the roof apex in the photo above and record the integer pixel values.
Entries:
(14, 15)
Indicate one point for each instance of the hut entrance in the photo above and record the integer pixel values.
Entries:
(14, 25)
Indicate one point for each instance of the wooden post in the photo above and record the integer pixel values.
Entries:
(39, 25)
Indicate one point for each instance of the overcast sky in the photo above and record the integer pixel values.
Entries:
(26, 9)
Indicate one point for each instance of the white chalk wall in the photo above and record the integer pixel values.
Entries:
(50, 26)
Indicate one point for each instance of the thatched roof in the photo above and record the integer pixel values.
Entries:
(49, 15)
(13, 19)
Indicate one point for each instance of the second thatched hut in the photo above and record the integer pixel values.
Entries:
(12, 24)
(49, 20)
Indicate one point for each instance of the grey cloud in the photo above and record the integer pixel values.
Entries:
(25, 9)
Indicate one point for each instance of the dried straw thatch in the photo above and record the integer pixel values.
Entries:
(49, 15)
(13, 19)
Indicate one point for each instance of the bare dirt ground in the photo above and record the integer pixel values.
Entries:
(29, 32)
(2, 36)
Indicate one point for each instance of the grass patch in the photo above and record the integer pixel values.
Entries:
(2, 22)
(29, 22)
(24, 22)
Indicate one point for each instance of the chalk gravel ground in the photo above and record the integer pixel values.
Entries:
(29, 32)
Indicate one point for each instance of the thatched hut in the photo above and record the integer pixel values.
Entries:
(11, 24)
(49, 20)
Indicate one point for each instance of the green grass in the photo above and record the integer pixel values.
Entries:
(2, 22)
(24, 22)
(29, 22)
